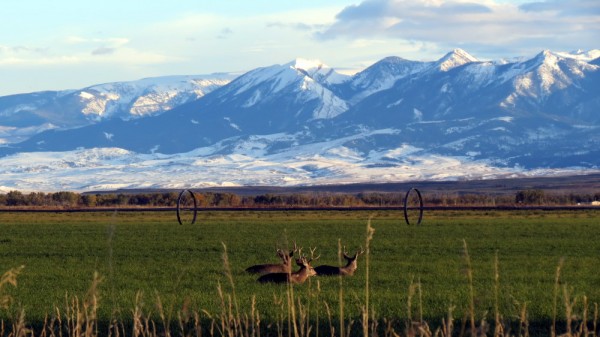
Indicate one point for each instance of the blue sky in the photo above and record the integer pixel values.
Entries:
(67, 44)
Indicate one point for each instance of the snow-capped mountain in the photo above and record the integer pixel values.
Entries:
(303, 122)
(380, 76)
(453, 59)
(542, 111)
(148, 96)
(297, 89)
(24, 115)
(279, 98)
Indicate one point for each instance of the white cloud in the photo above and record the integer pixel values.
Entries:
(103, 51)
(204, 41)
(479, 25)
(79, 50)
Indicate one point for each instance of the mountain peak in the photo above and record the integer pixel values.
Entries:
(463, 53)
(581, 55)
(318, 71)
(393, 59)
(545, 57)
(307, 65)
(455, 58)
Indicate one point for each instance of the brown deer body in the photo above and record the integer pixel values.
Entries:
(284, 267)
(347, 270)
(298, 277)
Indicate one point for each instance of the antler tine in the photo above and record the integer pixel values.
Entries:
(345, 253)
(361, 251)
(312, 255)
(300, 252)
(301, 260)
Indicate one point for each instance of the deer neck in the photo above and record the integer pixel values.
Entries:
(287, 267)
(349, 268)
(300, 276)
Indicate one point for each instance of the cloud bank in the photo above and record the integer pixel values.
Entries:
(486, 26)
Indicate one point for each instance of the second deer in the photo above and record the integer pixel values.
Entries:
(297, 277)
(284, 267)
(347, 270)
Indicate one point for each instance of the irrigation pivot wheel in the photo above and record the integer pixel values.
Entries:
(413, 206)
(187, 207)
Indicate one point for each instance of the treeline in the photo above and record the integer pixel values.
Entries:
(320, 199)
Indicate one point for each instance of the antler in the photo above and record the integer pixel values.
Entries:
(358, 252)
(312, 255)
(345, 253)
(302, 259)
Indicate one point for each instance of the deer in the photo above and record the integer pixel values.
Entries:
(297, 277)
(347, 270)
(284, 267)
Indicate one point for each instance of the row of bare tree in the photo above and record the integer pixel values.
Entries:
(317, 199)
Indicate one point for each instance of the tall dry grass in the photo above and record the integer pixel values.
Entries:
(297, 316)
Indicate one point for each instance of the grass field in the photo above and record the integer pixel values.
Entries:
(421, 268)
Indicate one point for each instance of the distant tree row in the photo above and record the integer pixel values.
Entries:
(210, 199)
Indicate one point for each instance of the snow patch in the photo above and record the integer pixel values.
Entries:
(507, 119)
(319, 163)
(581, 55)
(86, 95)
(256, 96)
(396, 103)
(233, 125)
(456, 58)
(417, 115)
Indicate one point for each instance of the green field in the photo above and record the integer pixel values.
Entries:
(148, 253)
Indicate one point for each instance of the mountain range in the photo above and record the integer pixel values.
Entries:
(24, 115)
(507, 116)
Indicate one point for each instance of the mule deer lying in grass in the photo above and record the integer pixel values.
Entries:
(298, 277)
(284, 267)
(347, 270)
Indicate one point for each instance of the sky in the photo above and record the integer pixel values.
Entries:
(71, 44)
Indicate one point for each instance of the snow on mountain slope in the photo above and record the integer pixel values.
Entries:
(453, 59)
(319, 71)
(147, 96)
(319, 163)
(22, 116)
(297, 83)
(581, 55)
(302, 123)
(12, 134)
(385, 73)
(548, 72)
(381, 76)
